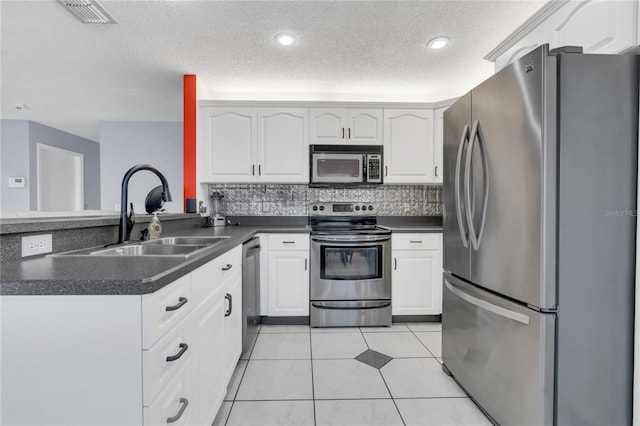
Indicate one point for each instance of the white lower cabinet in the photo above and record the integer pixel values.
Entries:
(416, 277)
(288, 275)
(158, 358)
(232, 325)
(208, 336)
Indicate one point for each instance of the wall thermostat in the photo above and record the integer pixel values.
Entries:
(17, 182)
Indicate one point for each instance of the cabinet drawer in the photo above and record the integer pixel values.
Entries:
(175, 402)
(164, 359)
(416, 241)
(210, 276)
(288, 242)
(164, 309)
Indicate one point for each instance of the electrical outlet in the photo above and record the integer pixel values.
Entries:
(36, 244)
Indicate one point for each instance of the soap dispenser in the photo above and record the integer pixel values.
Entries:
(155, 227)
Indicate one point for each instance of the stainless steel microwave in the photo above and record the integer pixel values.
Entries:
(349, 165)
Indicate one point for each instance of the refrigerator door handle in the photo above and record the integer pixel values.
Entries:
(482, 304)
(476, 134)
(463, 232)
(485, 183)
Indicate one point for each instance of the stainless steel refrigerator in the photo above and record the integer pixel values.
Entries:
(540, 190)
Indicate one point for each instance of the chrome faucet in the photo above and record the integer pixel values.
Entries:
(126, 222)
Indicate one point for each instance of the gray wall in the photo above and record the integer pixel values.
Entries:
(18, 152)
(39, 133)
(126, 144)
(14, 161)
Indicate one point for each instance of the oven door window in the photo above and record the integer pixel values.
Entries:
(350, 263)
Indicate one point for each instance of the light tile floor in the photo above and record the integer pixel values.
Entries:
(297, 375)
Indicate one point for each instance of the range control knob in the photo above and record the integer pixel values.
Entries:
(364, 208)
(321, 208)
(315, 208)
(370, 207)
(358, 208)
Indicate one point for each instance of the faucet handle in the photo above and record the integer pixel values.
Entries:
(131, 220)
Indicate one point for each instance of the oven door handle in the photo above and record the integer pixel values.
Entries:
(349, 306)
(352, 239)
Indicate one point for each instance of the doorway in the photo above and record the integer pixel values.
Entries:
(60, 182)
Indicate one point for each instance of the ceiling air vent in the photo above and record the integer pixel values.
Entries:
(88, 11)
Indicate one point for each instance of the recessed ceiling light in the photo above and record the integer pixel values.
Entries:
(438, 42)
(285, 39)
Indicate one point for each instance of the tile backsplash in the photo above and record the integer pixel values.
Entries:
(292, 200)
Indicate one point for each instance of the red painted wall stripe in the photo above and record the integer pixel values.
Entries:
(189, 129)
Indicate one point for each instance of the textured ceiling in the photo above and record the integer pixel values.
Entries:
(71, 75)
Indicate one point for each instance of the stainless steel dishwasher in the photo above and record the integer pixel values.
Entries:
(250, 293)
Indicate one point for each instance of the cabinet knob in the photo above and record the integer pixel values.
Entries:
(395, 263)
(436, 171)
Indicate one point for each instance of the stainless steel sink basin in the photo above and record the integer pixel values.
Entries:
(169, 246)
(201, 241)
(149, 250)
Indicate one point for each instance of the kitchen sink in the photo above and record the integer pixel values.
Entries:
(149, 250)
(169, 246)
(200, 241)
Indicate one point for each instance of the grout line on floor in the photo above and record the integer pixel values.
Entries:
(313, 390)
(425, 346)
(392, 398)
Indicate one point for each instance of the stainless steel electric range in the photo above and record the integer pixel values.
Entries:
(350, 282)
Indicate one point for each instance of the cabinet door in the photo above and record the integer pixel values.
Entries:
(438, 144)
(364, 126)
(230, 137)
(417, 282)
(597, 26)
(408, 146)
(288, 283)
(283, 145)
(209, 357)
(328, 125)
(232, 324)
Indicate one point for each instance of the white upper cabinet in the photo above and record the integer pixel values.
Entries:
(346, 126)
(598, 26)
(409, 155)
(249, 144)
(230, 144)
(283, 144)
(438, 143)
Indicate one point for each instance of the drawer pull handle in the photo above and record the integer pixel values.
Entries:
(184, 402)
(226, 268)
(180, 304)
(416, 241)
(183, 348)
(230, 299)
(288, 242)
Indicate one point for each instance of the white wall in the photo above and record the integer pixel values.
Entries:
(126, 144)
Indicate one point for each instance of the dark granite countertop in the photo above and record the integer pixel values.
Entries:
(91, 275)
